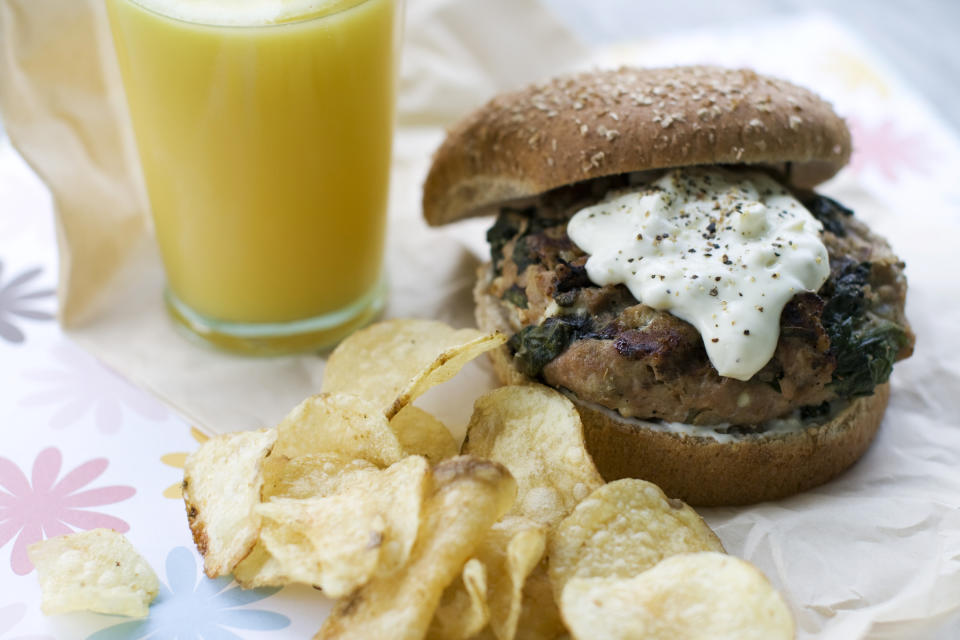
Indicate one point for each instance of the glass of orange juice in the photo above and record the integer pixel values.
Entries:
(264, 130)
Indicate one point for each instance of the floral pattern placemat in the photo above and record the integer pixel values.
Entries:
(81, 448)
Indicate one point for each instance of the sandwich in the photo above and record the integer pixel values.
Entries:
(660, 256)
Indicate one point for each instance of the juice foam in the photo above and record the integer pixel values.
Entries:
(245, 13)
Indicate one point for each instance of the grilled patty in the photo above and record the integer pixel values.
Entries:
(607, 348)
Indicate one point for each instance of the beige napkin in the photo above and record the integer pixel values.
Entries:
(64, 109)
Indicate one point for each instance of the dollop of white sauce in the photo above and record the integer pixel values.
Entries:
(724, 250)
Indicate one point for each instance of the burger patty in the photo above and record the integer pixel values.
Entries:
(607, 348)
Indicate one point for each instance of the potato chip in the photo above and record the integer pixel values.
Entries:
(391, 363)
(222, 480)
(337, 542)
(96, 570)
(510, 552)
(260, 569)
(539, 615)
(309, 476)
(333, 542)
(463, 610)
(468, 496)
(338, 423)
(536, 433)
(445, 366)
(691, 595)
(622, 529)
(312, 476)
(421, 434)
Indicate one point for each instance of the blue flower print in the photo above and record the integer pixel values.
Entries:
(191, 610)
(18, 300)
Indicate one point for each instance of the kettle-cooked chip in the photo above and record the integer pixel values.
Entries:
(468, 496)
(463, 610)
(510, 551)
(537, 434)
(260, 569)
(332, 542)
(338, 423)
(96, 570)
(691, 595)
(337, 542)
(622, 529)
(222, 480)
(539, 615)
(392, 363)
(446, 365)
(421, 434)
(312, 476)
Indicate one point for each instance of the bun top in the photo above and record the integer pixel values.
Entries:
(601, 123)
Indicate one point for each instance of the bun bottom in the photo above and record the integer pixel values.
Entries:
(702, 471)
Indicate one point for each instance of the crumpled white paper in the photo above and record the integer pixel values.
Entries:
(876, 552)
(873, 554)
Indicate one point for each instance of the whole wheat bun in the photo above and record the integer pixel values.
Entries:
(601, 123)
(700, 470)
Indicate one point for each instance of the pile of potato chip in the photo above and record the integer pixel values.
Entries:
(363, 495)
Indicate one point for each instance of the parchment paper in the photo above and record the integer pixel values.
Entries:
(874, 554)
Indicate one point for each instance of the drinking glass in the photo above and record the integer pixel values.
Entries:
(264, 132)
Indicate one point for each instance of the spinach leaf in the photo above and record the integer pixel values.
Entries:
(507, 225)
(846, 302)
(864, 344)
(828, 211)
(535, 346)
(523, 254)
(520, 224)
(865, 355)
(516, 296)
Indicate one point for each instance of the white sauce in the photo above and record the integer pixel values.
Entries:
(723, 250)
(723, 432)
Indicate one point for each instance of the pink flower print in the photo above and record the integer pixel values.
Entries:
(10, 616)
(41, 507)
(886, 149)
(80, 385)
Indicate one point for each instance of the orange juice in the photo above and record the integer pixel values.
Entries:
(264, 130)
